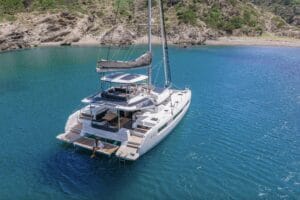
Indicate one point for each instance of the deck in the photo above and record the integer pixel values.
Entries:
(72, 135)
(128, 153)
(89, 143)
(69, 137)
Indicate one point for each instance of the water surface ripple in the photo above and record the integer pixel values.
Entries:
(239, 140)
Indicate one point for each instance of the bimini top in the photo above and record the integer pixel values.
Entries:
(110, 65)
(124, 78)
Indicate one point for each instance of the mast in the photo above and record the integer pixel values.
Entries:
(164, 42)
(149, 40)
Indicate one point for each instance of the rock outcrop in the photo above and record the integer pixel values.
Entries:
(118, 35)
(14, 37)
(188, 35)
(62, 28)
(188, 22)
(296, 20)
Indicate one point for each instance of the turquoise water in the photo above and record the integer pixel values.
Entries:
(239, 140)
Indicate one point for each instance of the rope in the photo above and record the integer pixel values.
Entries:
(159, 68)
(165, 46)
(115, 20)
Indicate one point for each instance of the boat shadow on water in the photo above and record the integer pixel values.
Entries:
(71, 170)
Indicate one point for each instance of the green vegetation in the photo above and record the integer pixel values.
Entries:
(250, 17)
(154, 3)
(124, 7)
(8, 8)
(296, 2)
(214, 17)
(291, 2)
(187, 15)
(278, 22)
(227, 15)
(14, 6)
(6, 17)
(286, 9)
(11, 6)
(245, 17)
(233, 23)
(278, 2)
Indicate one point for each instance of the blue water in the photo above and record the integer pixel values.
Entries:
(239, 140)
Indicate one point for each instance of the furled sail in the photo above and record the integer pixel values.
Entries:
(110, 65)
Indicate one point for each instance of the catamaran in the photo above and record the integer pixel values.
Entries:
(132, 115)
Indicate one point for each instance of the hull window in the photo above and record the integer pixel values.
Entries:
(162, 127)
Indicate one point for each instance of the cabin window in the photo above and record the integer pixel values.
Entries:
(162, 127)
(187, 103)
(178, 114)
(154, 119)
(181, 110)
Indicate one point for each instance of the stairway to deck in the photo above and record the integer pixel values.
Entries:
(131, 150)
(140, 131)
(128, 152)
(135, 141)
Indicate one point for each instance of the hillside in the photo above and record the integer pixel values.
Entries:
(289, 10)
(27, 23)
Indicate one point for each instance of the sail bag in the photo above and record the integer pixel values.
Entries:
(110, 65)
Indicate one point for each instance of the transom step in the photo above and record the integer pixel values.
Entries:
(135, 140)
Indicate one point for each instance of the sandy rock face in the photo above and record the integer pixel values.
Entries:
(14, 37)
(296, 20)
(118, 35)
(55, 28)
(289, 33)
(188, 35)
(63, 28)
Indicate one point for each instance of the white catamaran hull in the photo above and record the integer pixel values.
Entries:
(168, 117)
(156, 134)
(154, 138)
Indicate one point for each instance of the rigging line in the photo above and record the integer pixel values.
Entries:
(131, 52)
(149, 71)
(158, 65)
(115, 22)
(127, 54)
(119, 52)
(165, 46)
(175, 86)
(116, 53)
(134, 47)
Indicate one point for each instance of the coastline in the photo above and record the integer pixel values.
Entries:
(90, 41)
(254, 41)
(221, 41)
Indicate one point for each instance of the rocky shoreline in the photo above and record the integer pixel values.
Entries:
(66, 28)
